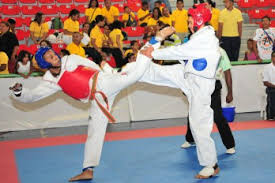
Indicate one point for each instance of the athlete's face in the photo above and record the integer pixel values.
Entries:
(191, 24)
(52, 58)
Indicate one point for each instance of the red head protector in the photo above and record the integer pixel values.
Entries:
(200, 15)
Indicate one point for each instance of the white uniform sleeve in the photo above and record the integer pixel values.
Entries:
(265, 74)
(43, 90)
(108, 69)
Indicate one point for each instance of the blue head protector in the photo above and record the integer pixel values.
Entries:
(40, 60)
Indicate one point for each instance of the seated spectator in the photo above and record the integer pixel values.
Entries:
(143, 14)
(158, 4)
(166, 18)
(71, 25)
(8, 49)
(264, 40)
(12, 23)
(129, 18)
(92, 11)
(43, 43)
(24, 65)
(250, 54)
(38, 29)
(95, 47)
(155, 17)
(134, 48)
(75, 46)
(110, 12)
(269, 82)
(130, 57)
(64, 52)
(85, 32)
(116, 37)
(179, 20)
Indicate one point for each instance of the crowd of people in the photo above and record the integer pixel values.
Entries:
(101, 36)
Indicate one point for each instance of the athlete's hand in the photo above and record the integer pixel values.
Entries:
(167, 31)
(147, 51)
(229, 98)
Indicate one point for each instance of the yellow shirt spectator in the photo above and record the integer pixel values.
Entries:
(180, 17)
(215, 18)
(4, 59)
(125, 16)
(141, 13)
(92, 13)
(113, 36)
(76, 49)
(152, 22)
(128, 51)
(39, 30)
(71, 26)
(230, 21)
(166, 20)
(98, 36)
(109, 15)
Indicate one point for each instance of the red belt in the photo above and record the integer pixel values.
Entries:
(103, 109)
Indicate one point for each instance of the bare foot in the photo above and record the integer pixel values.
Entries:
(86, 175)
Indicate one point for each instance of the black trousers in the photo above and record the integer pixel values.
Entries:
(270, 107)
(222, 125)
(232, 47)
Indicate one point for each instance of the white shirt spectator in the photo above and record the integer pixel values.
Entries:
(264, 44)
(269, 73)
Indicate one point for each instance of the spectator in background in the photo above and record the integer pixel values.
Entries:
(134, 48)
(166, 18)
(250, 54)
(155, 17)
(71, 25)
(264, 40)
(24, 65)
(12, 23)
(75, 46)
(43, 43)
(95, 48)
(92, 11)
(179, 20)
(129, 18)
(158, 4)
(215, 14)
(64, 52)
(8, 49)
(38, 29)
(230, 30)
(110, 12)
(130, 57)
(143, 14)
(85, 32)
(269, 82)
(116, 37)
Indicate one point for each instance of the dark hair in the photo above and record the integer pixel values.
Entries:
(86, 23)
(133, 42)
(11, 21)
(144, 3)
(158, 2)
(22, 54)
(160, 23)
(116, 25)
(99, 18)
(128, 56)
(74, 12)
(65, 52)
(125, 7)
(212, 3)
(249, 40)
(266, 17)
(179, 1)
(273, 52)
(38, 17)
(159, 13)
(90, 3)
(49, 44)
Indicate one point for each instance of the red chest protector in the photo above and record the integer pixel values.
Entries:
(76, 83)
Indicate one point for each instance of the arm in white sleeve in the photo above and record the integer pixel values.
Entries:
(43, 90)
(85, 62)
(171, 76)
(108, 69)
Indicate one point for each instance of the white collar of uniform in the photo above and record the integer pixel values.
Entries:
(205, 30)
